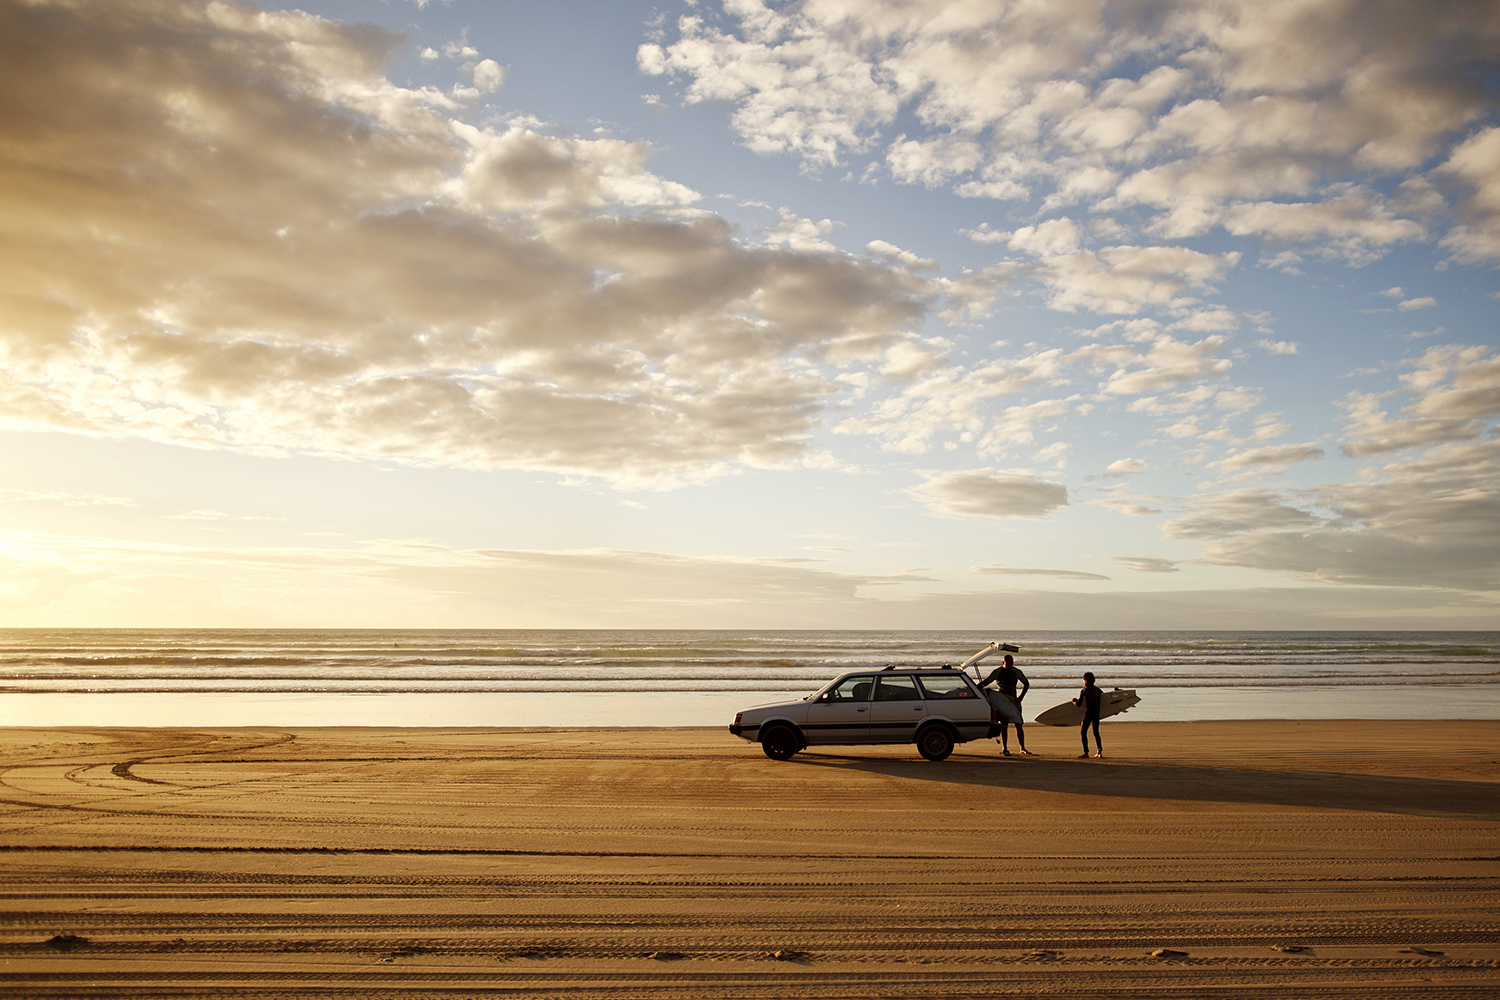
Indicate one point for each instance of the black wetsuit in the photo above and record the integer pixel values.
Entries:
(1008, 679)
(1091, 698)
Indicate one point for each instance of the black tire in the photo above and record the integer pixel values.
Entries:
(935, 743)
(780, 742)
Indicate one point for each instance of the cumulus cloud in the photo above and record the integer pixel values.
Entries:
(1253, 115)
(1276, 456)
(1216, 515)
(1124, 467)
(797, 233)
(965, 401)
(523, 171)
(1015, 425)
(1453, 393)
(972, 294)
(1277, 346)
(1122, 499)
(1433, 520)
(1267, 427)
(1237, 399)
(229, 228)
(998, 569)
(1047, 239)
(1056, 452)
(65, 498)
(1205, 412)
(1357, 225)
(1127, 279)
(1313, 607)
(1148, 564)
(1202, 320)
(1165, 363)
(488, 75)
(908, 359)
(904, 257)
(932, 162)
(1428, 520)
(990, 493)
(960, 399)
(1476, 163)
(803, 94)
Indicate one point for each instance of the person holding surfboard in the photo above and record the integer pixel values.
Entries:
(1007, 676)
(1090, 699)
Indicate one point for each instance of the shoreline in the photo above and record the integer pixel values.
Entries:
(679, 861)
(714, 729)
(1391, 703)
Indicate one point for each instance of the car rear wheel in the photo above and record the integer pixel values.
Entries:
(780, 743)
(934, 743)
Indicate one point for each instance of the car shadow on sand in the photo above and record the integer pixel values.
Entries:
(1188, 783)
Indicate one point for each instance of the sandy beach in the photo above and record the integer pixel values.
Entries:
(1261, 859)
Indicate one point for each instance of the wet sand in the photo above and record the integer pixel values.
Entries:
(1280, 859)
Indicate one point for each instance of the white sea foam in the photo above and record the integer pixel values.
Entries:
(651, 677)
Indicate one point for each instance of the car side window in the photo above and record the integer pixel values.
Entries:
(939, 686)
(897, 689)
(851, 689)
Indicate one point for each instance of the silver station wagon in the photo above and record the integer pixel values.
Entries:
(935, 708)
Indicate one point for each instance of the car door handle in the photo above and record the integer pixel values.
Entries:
(859, 710)
(916, 708)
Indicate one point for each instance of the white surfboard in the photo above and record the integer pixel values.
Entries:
(1068, 714)
(1010, 709)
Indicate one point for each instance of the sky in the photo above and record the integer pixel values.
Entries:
(990, 314)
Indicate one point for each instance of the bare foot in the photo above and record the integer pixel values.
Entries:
(1027, 752)
(1084, 755)
(1005, 753)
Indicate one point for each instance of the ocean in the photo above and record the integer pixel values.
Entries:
(650, 677)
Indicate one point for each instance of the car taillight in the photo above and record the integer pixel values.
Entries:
(994, 714)
(737, 717)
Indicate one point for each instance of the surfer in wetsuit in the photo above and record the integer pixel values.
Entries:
(1007, 676)
(1091, 698)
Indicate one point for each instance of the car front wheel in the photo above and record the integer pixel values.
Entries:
(779, 743)
(935, 743)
